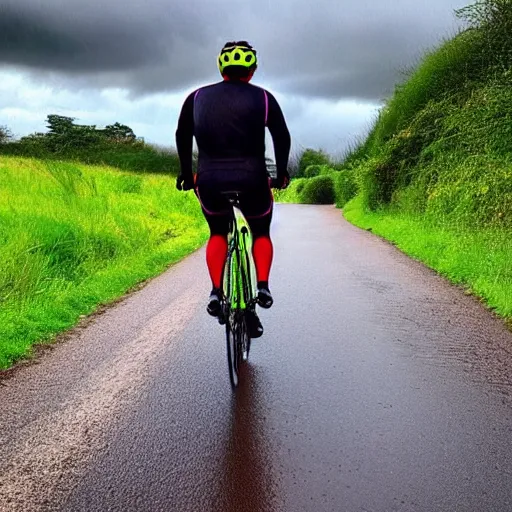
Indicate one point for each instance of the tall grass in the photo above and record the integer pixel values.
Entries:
(73, 237)
(457, 144)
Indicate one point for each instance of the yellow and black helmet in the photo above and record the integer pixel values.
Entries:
(239, 53)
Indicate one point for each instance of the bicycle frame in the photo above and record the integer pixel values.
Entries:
(239, 294)
(238, 279)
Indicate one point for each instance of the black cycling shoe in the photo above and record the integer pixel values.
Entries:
(253, 324)
(265, 299)
(214, 307)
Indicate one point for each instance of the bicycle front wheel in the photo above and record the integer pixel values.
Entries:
(238, 344)
(235, 346)
(245, 339)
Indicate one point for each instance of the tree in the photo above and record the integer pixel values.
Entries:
(5, 134)
(119, 133)
(59, 125)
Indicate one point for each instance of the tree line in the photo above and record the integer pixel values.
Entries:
(64, 134)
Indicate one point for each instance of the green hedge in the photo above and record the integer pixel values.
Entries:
(318, 190)
(137, 157)
(311, 157)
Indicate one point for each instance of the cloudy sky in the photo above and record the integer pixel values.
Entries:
(330, 63)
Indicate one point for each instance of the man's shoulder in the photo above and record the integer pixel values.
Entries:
(269, 94)
(211, 86)
(225, 87)
(259, 88)
(206, 87)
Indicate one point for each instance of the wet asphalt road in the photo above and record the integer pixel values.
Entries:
(377, 387)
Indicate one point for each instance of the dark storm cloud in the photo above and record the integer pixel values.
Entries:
(139, 45)
(326, 48)
(41, 41)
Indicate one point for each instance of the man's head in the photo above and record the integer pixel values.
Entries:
(237, 61)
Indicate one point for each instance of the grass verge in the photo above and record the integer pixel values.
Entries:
(479, 260)
(74, 237)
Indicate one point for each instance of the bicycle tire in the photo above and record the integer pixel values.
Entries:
(246, 278)
(247, 291)
(236, 336)
(232, 352)
(246, 341)
(230, 339)
(238, 300)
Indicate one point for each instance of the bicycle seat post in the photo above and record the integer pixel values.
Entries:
(233, 196)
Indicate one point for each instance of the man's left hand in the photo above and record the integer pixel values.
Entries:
(184, 182)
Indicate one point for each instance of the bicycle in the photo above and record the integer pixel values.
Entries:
(239, 293)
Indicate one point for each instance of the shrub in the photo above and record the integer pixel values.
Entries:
(345, 187)
(318, 170)
(311, 157)
(492, 19)
(292, 192)
(326, 170)
(367, 184)
(137, 157)
(312, 171)
(299, 185)
(473, 191)
(441, 145)
(318, 190)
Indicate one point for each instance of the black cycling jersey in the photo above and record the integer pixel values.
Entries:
(228, 120)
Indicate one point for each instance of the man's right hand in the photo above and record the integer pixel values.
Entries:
(184, 182)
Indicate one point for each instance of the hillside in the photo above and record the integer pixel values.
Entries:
(434, 175)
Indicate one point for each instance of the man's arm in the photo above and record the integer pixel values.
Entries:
(280, 136)
(185, 141)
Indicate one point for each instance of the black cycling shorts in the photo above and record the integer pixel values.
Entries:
(256, 203)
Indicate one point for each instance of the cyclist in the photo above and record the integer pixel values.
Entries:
(228, 121)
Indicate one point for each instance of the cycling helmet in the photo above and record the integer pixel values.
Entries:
(239, 53)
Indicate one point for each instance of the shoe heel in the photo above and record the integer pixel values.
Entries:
(265, 301)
